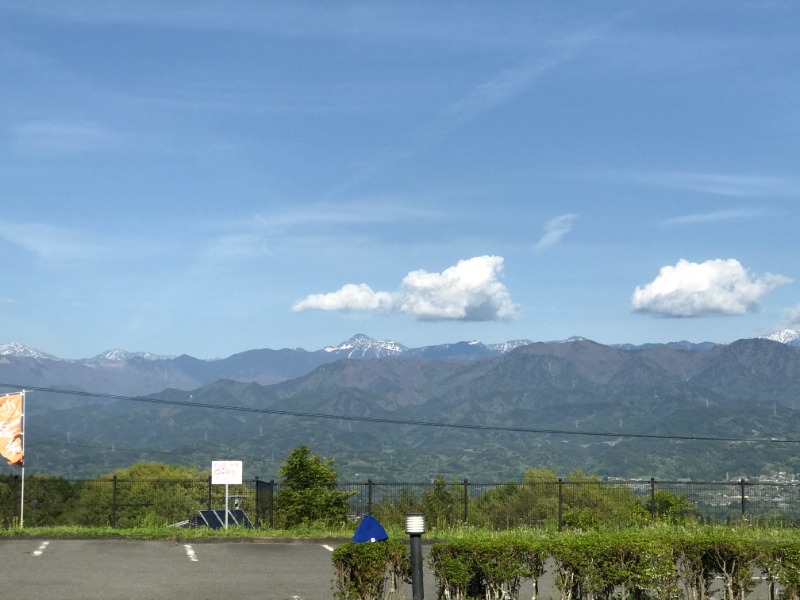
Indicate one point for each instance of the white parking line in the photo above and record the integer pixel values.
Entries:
(328, 548)
(40, 549)
(190, 553)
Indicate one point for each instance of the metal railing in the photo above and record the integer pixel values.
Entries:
(542, 504)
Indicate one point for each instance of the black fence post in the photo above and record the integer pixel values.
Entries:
(466, 500)
(560, 503)
(258, 506)
(369, 497)
(653, 498)
(271, 497)
(114, 502)
(741, 485)
(209, 493)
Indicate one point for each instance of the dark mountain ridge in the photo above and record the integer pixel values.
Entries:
(568, 405)
(132, 373)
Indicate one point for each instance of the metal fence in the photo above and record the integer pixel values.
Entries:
(557, 504)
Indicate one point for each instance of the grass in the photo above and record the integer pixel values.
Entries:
(307, 531)
(321, 531)
(171, 533)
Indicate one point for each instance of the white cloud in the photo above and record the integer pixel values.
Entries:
(350, 297)
(554, 230)
(715, 287)
(468, 291)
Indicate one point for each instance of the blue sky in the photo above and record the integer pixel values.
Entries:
(211, 177)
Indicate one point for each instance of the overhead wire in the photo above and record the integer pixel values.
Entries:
(403, 422)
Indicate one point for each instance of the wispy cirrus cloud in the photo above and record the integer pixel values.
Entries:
(488, 95)
(234, 246)
(64, 137)
(382, 210)
(483, 97)
(554, 230)
(430, 22)
(58, 244)
(734, 214)
(467, 291)
(719, 183)
(503, 87)
(720, 287)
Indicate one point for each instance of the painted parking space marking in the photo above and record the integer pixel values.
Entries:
(40, 550)
(190, 553)
(328, 548)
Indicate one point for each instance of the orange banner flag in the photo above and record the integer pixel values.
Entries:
(11, 428)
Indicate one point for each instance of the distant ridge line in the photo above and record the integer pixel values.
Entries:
(360, 346)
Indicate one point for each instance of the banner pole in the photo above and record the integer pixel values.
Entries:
(22, 492)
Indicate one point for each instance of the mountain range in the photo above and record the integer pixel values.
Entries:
(466, 410)
(123, 372)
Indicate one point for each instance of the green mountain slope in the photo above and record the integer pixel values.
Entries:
(583, 406)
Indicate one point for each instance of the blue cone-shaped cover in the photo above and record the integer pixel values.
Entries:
(369, 531)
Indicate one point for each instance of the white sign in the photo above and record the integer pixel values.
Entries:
(226, 472)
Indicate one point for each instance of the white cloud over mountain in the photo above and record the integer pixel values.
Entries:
(712, 288)
(467, 291)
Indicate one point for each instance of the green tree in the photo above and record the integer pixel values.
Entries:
(9, 500)
(439, 504)
(586, 501)
(589, 503)
(532, 503)
(47, 500)
(146, 494)
(308, 491)
(671, 507)
(392, 511)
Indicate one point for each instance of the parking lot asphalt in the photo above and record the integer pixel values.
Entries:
(50, 569)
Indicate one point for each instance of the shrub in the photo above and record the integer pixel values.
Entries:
(362, 570)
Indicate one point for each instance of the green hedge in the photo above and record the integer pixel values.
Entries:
(487, 568)
(363, 570)
(639, 564)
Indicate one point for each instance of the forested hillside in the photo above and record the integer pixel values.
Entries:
(661, 412)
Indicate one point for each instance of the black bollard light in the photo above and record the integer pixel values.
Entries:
(415, 527)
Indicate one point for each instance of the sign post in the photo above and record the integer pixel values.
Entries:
(226, 472)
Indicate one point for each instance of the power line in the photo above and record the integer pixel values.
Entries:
(112, 448)
(404, 422)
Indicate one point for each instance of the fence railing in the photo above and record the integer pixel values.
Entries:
(542, 504)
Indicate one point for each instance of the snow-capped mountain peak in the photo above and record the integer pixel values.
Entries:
(120, 355)
(508, 346)
(360, 346)
(20, 350)
(574, 338)
(784, 336)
